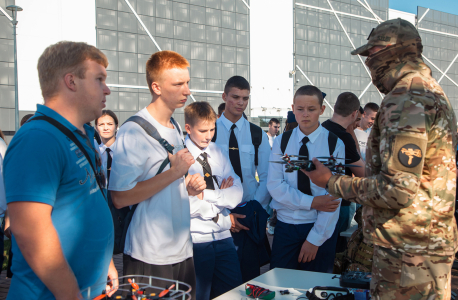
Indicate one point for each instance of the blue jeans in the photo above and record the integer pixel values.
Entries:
(217, 268)
(287, 244)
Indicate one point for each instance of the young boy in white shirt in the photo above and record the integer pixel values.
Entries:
(215, 258)
(158, 240)
(304, 234)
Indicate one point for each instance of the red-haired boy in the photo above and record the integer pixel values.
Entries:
(158, 240)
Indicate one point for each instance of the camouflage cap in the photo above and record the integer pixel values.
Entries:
(387, 33)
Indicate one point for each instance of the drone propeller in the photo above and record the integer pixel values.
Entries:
(286, 155)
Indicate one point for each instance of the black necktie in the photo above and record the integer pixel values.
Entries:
(303, 181)
(234, 155)
(208, 176)
(109, 161)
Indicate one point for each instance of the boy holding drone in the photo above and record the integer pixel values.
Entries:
(304, 235)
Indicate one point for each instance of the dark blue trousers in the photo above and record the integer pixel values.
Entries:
(287, 244)
(217, 268)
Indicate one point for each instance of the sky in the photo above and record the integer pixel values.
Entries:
(410, 6)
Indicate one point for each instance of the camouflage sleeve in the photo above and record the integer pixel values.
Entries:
(398, 165)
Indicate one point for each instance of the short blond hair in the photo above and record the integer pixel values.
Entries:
(161, 61)
(197, 111)
(63, 58)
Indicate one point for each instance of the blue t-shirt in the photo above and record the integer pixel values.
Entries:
(43, 165)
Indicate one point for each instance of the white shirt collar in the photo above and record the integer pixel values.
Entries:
(228, 124)
(195, 151)
(312, 137)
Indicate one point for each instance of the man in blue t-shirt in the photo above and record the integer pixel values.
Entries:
(61, 224)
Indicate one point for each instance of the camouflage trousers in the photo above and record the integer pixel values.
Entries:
(400, 276)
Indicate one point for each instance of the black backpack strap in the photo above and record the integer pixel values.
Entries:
(152, 132)
(214, 137)
(284, 140)
(256, 139)
(332, 142)
(75, 140)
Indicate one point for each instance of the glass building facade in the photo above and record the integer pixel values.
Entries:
(213, 35)
(6, 71)
(322, 49)
(439, 33)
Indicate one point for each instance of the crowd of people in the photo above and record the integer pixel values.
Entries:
(191, 204)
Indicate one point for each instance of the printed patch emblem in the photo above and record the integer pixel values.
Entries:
(410, 155)
(207, 175)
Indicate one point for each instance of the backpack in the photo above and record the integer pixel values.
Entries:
(256, 139)
(123, 216)
(332, 141)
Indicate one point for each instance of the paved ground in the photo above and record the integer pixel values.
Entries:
(5, 282)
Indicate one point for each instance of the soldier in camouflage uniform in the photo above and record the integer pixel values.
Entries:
(409, 192)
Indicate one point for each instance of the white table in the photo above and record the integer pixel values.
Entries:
(282, 279)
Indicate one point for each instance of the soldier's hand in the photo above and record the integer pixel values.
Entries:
(236, 226)
(308, 252)
(325, 203)
(227, 183)
(195, 184)
(321, 175)
(181, 161)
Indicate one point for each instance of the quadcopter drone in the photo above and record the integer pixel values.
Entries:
(131, 290)
(303, 163)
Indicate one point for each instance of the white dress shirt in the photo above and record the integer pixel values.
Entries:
(102, 148)
(214, 202)
(271, 139)
(159, 232)
(362, 138)
(252, 189)
(293, 206)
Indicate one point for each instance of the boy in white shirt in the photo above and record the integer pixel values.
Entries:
(304, 234)
(158, 240)
(215, 258)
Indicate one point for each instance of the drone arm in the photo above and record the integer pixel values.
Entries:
(281, 190)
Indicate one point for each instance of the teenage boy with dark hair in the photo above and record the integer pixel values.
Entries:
(234, 135)
(158, 240)
(274, 127)
(215, 257)
(307, 216)
(346, 111)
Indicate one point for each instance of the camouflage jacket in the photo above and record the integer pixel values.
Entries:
(409, 192)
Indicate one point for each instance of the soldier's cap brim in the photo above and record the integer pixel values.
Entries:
(363, 50)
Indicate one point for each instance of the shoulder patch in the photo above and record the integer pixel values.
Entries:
(410, 155)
